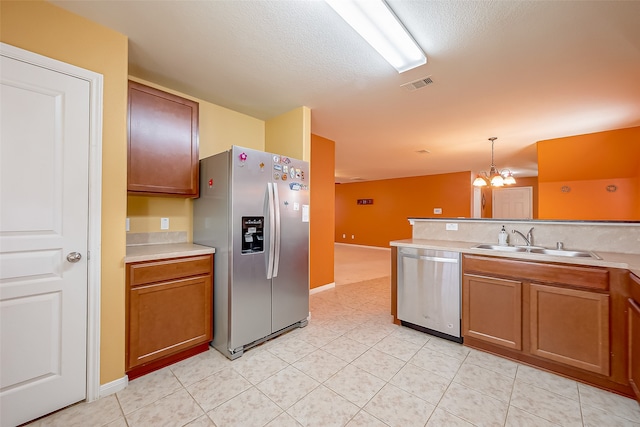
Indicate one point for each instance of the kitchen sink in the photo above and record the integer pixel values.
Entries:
(568, 253)
(502, 248)
(539, 250)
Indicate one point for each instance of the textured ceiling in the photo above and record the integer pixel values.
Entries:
(523, 71)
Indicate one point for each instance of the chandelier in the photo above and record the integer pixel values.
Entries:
(495, 177)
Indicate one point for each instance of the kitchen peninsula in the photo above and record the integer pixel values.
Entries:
(572, 315)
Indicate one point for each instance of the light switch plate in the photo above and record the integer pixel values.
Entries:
(164, 223)
(437, 211)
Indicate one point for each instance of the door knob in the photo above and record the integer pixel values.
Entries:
(74, 256)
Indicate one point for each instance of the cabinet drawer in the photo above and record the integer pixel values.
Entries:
(156, 271)
(578, 276)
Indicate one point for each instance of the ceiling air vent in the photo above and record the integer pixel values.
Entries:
(417, 84)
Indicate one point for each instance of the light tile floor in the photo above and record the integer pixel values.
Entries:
(351, 366)
(354, 263)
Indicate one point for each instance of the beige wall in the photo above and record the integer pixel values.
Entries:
(219, 129)
(144, 214)
(290, 134)
(45, 29)
(50, 31)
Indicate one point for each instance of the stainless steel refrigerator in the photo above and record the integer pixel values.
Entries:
(254, 210)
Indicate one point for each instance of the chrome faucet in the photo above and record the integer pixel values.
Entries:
(529, 237)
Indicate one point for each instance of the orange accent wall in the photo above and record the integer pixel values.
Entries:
(590, 200)
(322, 212)
(638, 195)
(394, 200)
(586, 165)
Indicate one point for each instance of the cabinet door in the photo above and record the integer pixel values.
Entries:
(492, 310)
(167, 317)
(163, 143)
(634, 347)
(570, 326)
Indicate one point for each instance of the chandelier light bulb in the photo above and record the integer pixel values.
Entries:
(497, 181)
(479, 181)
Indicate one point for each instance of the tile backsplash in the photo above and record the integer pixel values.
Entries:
(606, 237)
(157, 238)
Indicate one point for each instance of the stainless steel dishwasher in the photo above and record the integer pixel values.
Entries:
(429, 291)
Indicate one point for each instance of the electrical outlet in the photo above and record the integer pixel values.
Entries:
(127, 224)
(437, 211)
(452, 226)
(164, 223)
(344, 236)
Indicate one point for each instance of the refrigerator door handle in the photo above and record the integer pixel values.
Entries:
(276, 261)
(272, 229)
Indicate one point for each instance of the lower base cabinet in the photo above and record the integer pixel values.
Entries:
(169, 311)
(579, 321)
(570, 326)
(492, 310)
(565, 325)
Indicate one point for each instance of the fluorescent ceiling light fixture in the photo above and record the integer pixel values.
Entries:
(378, 25)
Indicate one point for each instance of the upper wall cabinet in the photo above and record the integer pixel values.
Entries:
(162, 143)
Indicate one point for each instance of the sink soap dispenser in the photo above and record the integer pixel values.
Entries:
(502, 237)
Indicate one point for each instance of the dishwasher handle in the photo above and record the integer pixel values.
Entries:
(431, 258)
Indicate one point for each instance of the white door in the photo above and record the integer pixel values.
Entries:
(44, 148)
(513, 203)
(477, 203)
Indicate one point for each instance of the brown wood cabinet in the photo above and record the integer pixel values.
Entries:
(570, 326)
(169, 311)
(565, 325)
(162, 143)
(573, 318)
(492, 310)
(634, 335)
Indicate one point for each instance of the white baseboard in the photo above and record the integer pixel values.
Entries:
(114, 386)
(322, 288)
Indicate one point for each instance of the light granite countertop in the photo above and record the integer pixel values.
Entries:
(630, 262)
(137, 253)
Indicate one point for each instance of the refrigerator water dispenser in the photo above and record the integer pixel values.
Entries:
(252, 234)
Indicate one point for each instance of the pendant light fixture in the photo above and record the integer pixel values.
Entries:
(495, 177)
